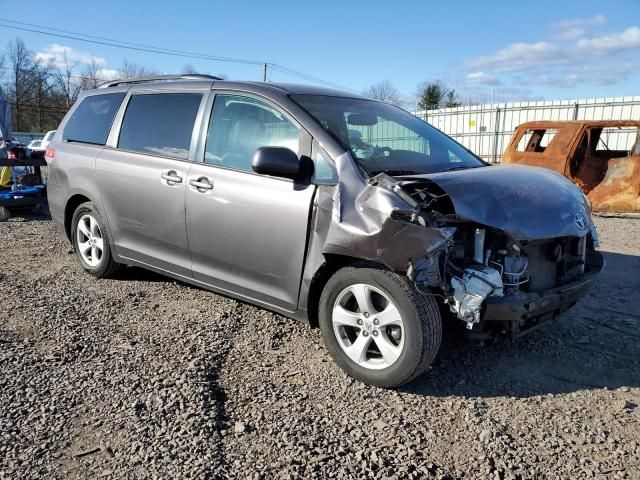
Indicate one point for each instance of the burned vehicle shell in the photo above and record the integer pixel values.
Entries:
(506, 247)
(601, 157)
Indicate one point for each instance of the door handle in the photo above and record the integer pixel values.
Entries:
(171, 176)
(202, 184)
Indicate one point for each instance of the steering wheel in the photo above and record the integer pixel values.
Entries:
(383, 150)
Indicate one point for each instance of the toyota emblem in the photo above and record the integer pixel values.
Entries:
(581, 221)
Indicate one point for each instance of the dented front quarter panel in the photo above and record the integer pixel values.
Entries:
(354, 218)
(356, 221)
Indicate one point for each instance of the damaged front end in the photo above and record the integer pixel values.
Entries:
(523, 249)
(505, 248)
(498, 284)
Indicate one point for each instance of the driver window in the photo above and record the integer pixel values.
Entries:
(240, 125)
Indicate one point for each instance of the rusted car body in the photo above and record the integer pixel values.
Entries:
(601, 157)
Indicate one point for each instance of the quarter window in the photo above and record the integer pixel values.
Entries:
(324, 171)
(160, 124)
(240, 125)
(91, 121)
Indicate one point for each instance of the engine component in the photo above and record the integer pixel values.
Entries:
(478, 246)
(470, 291)
(515, 271)
(426, 270)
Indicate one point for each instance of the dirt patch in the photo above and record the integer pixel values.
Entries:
(141, 376)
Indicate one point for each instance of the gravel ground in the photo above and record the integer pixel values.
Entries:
(143, 377)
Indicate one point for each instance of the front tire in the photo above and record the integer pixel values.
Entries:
(91, 242)
(377, 327)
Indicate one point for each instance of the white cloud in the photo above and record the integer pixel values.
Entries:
(573, 58)
(56, 53)
(565, 80)
(614, 43)
(481, 78)
(520, 56)
(584, 73)
(577, 27)
(108, 73)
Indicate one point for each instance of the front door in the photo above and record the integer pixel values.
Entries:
(143, 180)
(247, 232)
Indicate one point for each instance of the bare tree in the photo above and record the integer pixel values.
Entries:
(44, 83)
(21, 85)
(67, 81)
(135, 70)
(385, 92)
(92, 75)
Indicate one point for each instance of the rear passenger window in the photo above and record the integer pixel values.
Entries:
(91, 121)
(160, 124)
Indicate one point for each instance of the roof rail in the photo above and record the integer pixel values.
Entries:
(159, 78)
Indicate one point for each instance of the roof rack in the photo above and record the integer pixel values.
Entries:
(159, 78)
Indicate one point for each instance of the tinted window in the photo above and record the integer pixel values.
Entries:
(91, 121)
(160, 124)
(240, 125)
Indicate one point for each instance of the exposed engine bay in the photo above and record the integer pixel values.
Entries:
(476, 262)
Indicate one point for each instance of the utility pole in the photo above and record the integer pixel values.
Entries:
(264, 74)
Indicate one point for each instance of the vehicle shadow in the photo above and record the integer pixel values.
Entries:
(593, 346)
(138, 274)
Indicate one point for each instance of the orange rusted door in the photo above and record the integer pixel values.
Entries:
(540, 146)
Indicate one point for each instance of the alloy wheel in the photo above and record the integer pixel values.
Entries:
(89, 240)
(368, 326)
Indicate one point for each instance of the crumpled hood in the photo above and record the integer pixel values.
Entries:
(528, 203)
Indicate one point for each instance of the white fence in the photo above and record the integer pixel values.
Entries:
(487, 129)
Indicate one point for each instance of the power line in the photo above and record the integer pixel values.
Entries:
(131, 47)
(304, 76)
(122, 43)
(67, 34)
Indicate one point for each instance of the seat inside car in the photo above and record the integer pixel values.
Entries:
(246, 134)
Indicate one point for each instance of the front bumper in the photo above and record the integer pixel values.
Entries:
(526, 310)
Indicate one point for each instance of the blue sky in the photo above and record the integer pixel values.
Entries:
(511, 50)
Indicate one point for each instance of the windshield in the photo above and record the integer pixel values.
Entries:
(384, 138)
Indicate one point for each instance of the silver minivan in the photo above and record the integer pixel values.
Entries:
(345, 212)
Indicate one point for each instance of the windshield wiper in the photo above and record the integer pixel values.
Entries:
(394, 172)
(461, 167)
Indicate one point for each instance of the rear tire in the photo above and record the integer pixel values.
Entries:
(91, 242)
(388, 342)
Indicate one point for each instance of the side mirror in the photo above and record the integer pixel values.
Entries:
(276, 161)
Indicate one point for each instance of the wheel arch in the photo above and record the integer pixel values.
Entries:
(69, 209)
(333, 263)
